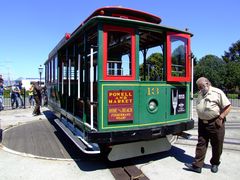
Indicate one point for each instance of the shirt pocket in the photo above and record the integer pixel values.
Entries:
(210, 102)
(207, 104)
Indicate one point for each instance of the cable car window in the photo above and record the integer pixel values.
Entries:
(56, 68)
(49, 71)
(178, 57)
(64, 71)
(52, 70)
(119, 48)
(178, 54)
(46, 72)
(151, 64)
(119, 53)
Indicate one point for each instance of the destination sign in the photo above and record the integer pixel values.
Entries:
(120, 105)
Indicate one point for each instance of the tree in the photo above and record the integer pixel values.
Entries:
(233, 55)
(154, 67)
(232, 58)
(213, 68)
(232, 78)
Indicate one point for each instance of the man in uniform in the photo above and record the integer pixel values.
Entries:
(212, 109)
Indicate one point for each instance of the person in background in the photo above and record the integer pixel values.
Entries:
(1, 102)
(14, 96)
(1, 79)
(37, 98)
(1, 96)
(30, 96)
(19, 93)
(212, 108)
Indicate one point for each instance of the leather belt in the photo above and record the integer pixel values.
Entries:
(208, 121)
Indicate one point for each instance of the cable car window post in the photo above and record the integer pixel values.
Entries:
(63, 77)
(79, 75)
(91, 85)
(69, 77)
(58, 75)
(192, 82)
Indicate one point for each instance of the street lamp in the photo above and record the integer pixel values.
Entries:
(40, 70)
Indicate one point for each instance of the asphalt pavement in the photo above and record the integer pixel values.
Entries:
(33, 148)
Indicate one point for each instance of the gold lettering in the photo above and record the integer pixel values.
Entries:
(152, 91)
(113, 110)
(148, 91)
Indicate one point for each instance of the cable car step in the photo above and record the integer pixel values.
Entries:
(78, 140)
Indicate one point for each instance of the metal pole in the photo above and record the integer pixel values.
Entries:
(24, 97)
(192, 81)
(91, 87)
(40, 89)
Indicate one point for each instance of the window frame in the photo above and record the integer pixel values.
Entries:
(131, 31)
(170, 77)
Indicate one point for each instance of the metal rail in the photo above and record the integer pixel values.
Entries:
(128, 172)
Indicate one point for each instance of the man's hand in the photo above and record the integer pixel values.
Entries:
(219, 122)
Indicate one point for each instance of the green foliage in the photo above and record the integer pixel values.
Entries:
(232, 58)
(232, 96)
(155, 63)
(6, 93)
(213, 68)
(232, 78)
(233, 55)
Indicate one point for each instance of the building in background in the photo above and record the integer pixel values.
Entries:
(26, 82)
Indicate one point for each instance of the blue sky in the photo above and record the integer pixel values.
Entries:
(30, 29)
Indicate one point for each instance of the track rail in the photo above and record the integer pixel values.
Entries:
(128, 173)
(229, 142)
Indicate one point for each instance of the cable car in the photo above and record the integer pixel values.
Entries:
(121, 83)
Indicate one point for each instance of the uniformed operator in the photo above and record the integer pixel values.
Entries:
(212, 109)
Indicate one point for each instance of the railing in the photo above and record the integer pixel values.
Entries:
(7, 102)
(19, 102)
(234, 102)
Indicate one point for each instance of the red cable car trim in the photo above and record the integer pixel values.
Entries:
(187, 77)
(106, 29)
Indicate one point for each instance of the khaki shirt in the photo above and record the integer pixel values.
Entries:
(210, 105)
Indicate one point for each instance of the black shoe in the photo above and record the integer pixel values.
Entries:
(193, 168)
(214, 168)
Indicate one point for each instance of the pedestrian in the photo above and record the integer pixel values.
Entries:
(30, 96)
(1, 79)
(1, 96)
(14, 97)
(19, 96)
(212, 108)
(37, 98)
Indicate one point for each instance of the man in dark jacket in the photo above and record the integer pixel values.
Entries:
(37, 98)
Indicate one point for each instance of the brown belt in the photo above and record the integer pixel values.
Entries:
(208, 121)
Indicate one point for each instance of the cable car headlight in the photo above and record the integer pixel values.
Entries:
(153, 105)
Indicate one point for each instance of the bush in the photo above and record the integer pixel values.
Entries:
(232, 96)
(6, 93)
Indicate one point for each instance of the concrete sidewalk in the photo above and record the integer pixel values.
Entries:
(168, 165)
